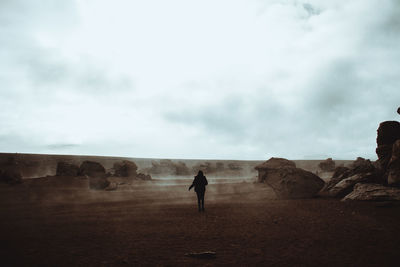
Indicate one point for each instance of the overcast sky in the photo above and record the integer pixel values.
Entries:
(219, 79)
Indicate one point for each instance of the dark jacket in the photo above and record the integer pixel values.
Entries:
(199, 183)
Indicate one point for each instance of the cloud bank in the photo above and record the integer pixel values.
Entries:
(189, 79)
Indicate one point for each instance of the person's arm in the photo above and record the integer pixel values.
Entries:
(205, 178)
(190, 187)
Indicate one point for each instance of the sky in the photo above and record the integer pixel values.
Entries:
(209, 79)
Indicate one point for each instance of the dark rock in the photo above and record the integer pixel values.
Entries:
(339, 171)
(291, 182)
(125, 168)
(373, 192)
(67, 169)
(388, 132)
(361, 170)
(393, 170)
(384, 153)
(327, 165)
(92, 169)
(346, 185)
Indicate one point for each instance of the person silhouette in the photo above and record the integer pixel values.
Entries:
(199, 184)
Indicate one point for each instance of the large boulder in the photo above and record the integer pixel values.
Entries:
(373, 192)
(327, 165)
(388, 132)
(271, 164)
(394, 165)
(92, 169)
(96, 174)
(274, 163)
(67, 169)
(291, 182)
(125, 168)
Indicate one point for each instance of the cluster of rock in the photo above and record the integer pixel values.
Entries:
(366, 180)
(362, 180)
(287, 181)
(97, 175)
(168, 167)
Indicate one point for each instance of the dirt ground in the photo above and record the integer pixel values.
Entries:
(59, 222)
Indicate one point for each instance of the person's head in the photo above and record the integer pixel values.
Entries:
(200, 173)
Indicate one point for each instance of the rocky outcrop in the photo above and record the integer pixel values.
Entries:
(373, 192)
(288, 181)
(387, 134)
(96, 174)
(344, 178)
(346, 185)
(393, 170)
(67, 169)
(125, 168)
(327, 165)
(91, 168)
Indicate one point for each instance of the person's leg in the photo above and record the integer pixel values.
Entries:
(202, 201)
(198, 200)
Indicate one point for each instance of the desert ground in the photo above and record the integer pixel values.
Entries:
(58, 221)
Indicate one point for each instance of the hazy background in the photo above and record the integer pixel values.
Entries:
(198, 79)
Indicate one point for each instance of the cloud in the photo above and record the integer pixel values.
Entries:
(241, 79)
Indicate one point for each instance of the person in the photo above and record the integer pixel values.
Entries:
(199, 184)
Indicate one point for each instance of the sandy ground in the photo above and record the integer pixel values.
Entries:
(59, 222)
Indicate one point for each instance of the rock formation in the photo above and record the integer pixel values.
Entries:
(344, 178)
(288, 181)
(393, 170)
(91, 168)
(373, 192)
(96, 174)
(125, 168)
(67, 169)
(272, 163)
(366, 180)
(327, 165)
(387, 134)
